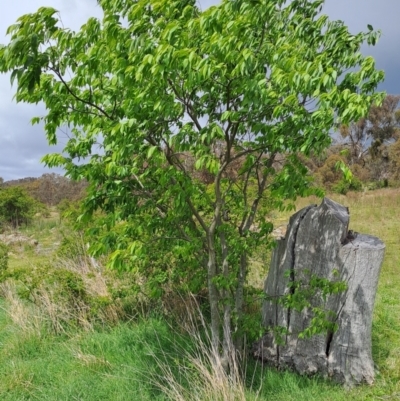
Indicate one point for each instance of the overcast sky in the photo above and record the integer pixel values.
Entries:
(23, 145)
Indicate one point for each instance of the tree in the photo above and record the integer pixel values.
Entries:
(394, 160)
(16, 206)
(52, 188)
(154, 80)
(385, 119)
(370, 132)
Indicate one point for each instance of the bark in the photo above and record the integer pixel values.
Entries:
(213, 293)
(319, 243)
(227, 327)
(239, 302)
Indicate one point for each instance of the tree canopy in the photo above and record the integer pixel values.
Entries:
(16, 206)
(157, 91)
(370, 132)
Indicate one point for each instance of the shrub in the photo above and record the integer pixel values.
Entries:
(343, 186)
(68, 294)
(72, 246)
(3, 257)
(16, 206)
(328, 174)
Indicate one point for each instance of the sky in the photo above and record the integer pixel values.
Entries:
(23, 145)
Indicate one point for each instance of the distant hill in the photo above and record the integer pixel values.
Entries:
(50, 189)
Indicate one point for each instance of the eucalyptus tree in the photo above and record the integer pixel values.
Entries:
(156, 83)
(380, 126)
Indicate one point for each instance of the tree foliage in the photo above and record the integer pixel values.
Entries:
(239, 84)
(370, 132)
(16, 206)
(50, 189)
(3, 257)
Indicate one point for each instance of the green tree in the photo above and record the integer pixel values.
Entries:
(368, 134)
(16, 206)
(240, 83)
(394, 161)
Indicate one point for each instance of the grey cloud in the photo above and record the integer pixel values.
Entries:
(22, 146)
(382, 15)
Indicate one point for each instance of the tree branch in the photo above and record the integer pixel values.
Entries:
(79, 98)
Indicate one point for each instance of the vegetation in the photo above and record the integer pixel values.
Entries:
(240, 89)
(380, 125)
(16, 207)
(3, 257)
(192, 130)
(136, 358)
(49, 189)
(370, 148)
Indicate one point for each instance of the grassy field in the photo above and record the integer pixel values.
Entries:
(133, 360)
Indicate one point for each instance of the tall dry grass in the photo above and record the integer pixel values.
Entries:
(28, 318)
(201, 374)
(79, 300)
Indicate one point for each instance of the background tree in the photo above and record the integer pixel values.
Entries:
(51, 189)
(385, 119)
(384, 128)
(243, 81)
(368, 134)
(394, 161)
(16, 206)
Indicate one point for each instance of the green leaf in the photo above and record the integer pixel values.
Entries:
(151, 151)
(178, 118)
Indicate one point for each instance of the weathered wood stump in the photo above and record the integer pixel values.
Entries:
(318, 243)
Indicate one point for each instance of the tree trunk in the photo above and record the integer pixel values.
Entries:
(318, 243)
(213, 294)
(239, 302)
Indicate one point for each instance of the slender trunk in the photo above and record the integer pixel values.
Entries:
(239, 302)
(227, 348)
(248, 220)
(227, 345)
(213, 293)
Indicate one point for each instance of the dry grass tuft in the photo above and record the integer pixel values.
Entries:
(201, 375)
(89, 360)
(26, 317)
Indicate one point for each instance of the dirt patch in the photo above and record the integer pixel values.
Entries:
(18, 238)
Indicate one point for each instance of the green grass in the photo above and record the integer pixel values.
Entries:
(120, 363)
(109, 365)
(47, 231)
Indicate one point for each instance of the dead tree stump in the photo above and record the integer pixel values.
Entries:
(319, 244)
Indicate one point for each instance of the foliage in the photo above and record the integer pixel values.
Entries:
(50, 189)
(107, 364)
(328, 174)
(16, 206)
(65, 293)
(344, 186)
(385, 119)
(72, 246)
(3, 257)
(67, 288)
(236, 87)
(394, 160)
(368, 134)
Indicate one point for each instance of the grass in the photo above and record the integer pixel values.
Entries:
(45, 230)
(137, 360)
(107, 365)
